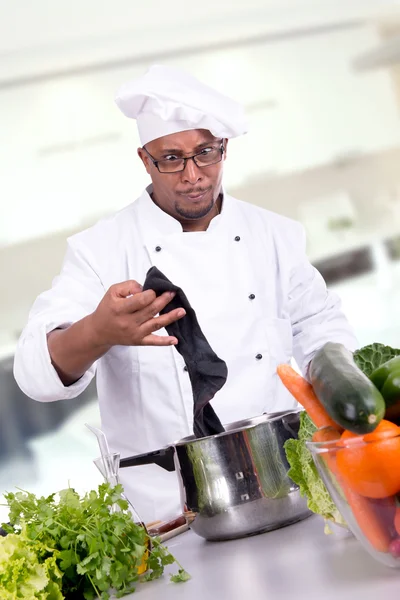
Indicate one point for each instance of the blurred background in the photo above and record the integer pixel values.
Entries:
(321, 83)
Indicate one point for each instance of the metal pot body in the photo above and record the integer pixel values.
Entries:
(236, 482)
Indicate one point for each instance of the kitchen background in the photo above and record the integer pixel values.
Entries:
(321, 83)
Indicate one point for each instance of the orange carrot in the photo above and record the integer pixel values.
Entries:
(375, 530)
(326, 434)
(364, 510)
(304, 394)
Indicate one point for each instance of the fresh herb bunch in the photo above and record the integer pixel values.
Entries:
(91, 548)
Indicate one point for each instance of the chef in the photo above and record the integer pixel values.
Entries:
(244, 269)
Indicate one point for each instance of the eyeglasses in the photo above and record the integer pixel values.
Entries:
(175, 164)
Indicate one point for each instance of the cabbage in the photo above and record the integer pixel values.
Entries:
(304, 473)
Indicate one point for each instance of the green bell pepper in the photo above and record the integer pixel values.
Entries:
(387, 379)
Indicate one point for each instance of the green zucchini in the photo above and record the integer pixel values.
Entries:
(348, 396)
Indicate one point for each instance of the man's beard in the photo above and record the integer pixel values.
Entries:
(193, 212)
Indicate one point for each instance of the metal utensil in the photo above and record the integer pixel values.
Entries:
(108, 464)
(236, 482)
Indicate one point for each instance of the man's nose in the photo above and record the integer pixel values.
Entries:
(192, 173)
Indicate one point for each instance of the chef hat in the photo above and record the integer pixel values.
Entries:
(167, 100)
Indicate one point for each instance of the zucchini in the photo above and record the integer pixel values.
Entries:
(348, 396)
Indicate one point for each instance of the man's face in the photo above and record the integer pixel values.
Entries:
(189, 194)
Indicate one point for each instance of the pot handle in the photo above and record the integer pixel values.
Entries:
(167, 530)
(163, 458)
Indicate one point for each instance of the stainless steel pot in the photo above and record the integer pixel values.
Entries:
(235, 482)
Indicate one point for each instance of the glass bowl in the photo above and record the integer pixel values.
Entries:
(362, 478)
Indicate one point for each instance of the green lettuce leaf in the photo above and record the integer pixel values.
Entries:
(373, 356)
(21, 573)
(304, 473)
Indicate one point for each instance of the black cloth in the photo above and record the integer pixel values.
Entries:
(206, 370)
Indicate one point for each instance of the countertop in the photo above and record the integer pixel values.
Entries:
(299, 561)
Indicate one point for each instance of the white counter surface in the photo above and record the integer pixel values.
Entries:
(299, 561)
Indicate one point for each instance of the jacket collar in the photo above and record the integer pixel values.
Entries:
(155, 219)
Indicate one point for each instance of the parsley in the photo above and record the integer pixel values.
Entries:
(92, 541)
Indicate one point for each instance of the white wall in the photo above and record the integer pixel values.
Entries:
(39, 36)
(323, 108)
(67, 155)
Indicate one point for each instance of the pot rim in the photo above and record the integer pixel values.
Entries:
(242, 425)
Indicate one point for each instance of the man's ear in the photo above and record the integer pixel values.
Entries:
(144, 158)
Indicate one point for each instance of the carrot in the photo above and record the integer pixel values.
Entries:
(363, 509)
(304, 394)
(326, 434)
(376, 532)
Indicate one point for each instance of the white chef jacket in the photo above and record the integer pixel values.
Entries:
(258, 301)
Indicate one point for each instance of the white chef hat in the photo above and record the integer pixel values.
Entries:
(167, 100)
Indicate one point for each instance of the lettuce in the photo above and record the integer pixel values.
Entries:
(304, 473)
(74, 546)
(21, 573)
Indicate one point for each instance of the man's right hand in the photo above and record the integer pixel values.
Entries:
(126, 316)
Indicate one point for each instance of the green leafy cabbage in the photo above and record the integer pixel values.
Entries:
(304, 473)
(373, 356)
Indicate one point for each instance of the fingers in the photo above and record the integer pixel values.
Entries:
(156, 306)
(156, 323)
(159, 340)
(133, 312)
(145, 304)
(132, 302)
(126, 288)
(130, 299)
(136, 303)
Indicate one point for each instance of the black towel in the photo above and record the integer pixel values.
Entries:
(207, 372)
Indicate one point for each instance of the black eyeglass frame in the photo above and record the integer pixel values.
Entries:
(185, 159)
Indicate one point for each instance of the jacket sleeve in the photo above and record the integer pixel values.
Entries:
(315, 312)
(75, 293)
